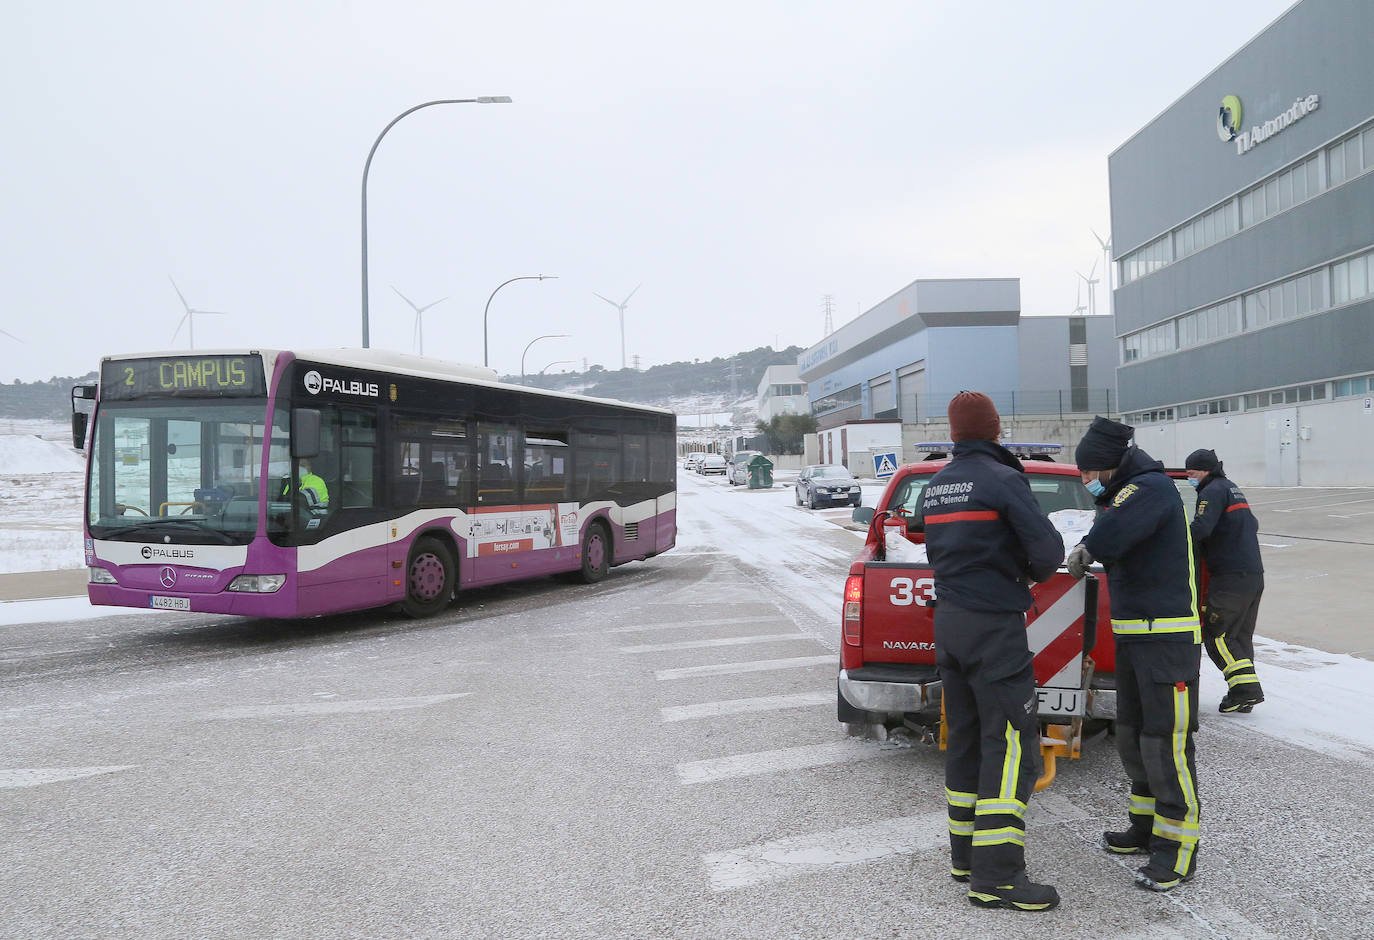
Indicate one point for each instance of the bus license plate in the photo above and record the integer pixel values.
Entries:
(1053, 701)
(169, 603)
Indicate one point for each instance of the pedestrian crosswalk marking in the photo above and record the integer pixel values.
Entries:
(780, 859)
(37, 776)
(730, 669)
(788, 758)
(349, 707)
(741, 706)
(721, 641)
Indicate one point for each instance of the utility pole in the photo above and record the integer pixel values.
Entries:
(733, 372)
(828, 303)
(635, 358)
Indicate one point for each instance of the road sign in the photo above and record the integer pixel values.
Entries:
(884, 465)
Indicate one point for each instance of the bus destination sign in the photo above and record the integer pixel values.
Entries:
(182, 376)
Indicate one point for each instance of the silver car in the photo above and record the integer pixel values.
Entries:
(826, 484)
(711, 463)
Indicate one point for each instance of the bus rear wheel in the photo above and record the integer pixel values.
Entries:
(596, 553)
(429, 578)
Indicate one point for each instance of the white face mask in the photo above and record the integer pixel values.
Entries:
(1095, 487)
(1194, 482)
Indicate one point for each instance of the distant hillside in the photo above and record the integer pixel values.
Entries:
(50, 399)
(732, 378)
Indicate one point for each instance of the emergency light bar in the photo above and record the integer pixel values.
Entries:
(1042, 451)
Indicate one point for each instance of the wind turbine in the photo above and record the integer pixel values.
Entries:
(11, 336)
(621, 307)
(1078, 301)
(417, 335)
(189, 317)
(1106, 263)
(1092, 288)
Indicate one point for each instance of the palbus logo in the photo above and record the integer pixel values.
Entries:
(1229, 118)
(313, 382)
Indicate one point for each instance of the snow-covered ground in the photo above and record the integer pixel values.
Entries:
(40, 497)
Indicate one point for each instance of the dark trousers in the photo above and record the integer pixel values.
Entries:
(1156, 715)
(1228, 631)
(992, 757)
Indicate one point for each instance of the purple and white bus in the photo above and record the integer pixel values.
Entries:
(280, 484)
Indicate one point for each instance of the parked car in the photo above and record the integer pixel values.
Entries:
(825, 484)
(711, 463)
(737, 467)
(693, 459)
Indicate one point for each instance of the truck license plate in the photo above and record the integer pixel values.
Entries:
(1060, 701)
(169, 603)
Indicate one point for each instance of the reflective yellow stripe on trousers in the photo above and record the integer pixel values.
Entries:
(1184, 831)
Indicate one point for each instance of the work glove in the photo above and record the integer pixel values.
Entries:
(1078, 561)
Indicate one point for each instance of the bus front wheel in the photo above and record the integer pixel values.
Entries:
(596, 553)
(429, 578)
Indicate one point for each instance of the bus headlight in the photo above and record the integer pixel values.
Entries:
(257, 583)
(99, 576)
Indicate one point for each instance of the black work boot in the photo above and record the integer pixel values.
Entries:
(1130, 842)
(1243, 702)
(1155, 877)
(1021, 895)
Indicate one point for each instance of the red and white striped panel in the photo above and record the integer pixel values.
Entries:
(1054, 632)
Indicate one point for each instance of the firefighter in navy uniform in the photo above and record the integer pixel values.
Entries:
(1141, 535)
(986, 538)
(1226, 537)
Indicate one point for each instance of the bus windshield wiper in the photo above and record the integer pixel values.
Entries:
(184, 525)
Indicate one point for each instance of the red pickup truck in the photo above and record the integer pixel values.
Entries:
(887, 674)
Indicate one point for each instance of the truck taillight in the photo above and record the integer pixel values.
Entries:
(853, 607)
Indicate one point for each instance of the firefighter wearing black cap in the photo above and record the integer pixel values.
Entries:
(1226, 537)
(1141, 536)
(986, 537)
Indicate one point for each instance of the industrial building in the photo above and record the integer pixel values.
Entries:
(1243, 243)
(901, 362)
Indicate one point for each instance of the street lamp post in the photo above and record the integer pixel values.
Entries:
(485, 99)
(560, 362)
(527, 349)
(487, 309)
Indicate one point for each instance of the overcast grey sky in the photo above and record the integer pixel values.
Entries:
(738, 159)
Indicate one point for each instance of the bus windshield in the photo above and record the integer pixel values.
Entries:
(188, 469)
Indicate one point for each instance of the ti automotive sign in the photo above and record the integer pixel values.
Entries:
(1230, 120)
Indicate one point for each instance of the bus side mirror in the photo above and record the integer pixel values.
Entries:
(79, 419)
(305, 432)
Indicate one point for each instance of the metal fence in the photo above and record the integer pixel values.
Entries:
(1061, 402)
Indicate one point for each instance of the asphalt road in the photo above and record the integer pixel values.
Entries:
(653, 756)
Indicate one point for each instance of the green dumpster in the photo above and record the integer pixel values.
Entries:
(760, 473)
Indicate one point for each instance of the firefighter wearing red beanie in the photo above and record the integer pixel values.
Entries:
(986, 538)
(972, 416)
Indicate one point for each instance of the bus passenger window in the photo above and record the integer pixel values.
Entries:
(495, 455)
(546, 466)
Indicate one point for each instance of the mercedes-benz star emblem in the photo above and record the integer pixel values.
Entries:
(169, 577)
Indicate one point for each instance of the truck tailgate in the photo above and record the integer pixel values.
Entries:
(898, 625)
